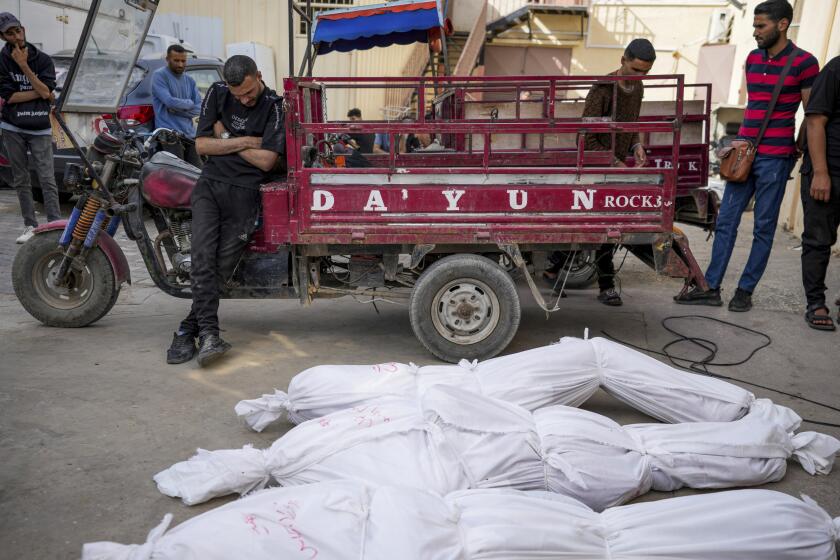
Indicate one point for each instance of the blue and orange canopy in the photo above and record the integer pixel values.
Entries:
(379, 25)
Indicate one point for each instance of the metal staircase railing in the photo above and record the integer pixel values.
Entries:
(472, 48)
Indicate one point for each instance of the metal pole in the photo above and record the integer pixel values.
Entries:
(308, 61)
(444, 47)
(312, 60)
(445, 53)
(291, 39)
(433, 66)
(309, 56)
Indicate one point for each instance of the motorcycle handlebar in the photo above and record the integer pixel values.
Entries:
(174, 136)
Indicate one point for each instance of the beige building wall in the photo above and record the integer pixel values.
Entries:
(677, 29)
(262, 21)
(816, 28)
(376, 62)
(744, 43)
(464, 13)
(266, 21)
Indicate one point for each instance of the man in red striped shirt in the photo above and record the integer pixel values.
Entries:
(776, 154)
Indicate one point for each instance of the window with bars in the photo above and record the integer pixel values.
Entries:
(320, 6)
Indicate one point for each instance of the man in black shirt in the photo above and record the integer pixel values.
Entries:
(821, 191)
(365, 141)
(241, 130)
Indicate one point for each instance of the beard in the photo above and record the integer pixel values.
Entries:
(770, 41)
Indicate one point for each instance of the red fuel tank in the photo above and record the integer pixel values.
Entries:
(167, 181)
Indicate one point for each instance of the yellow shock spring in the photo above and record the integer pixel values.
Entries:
(86, 219)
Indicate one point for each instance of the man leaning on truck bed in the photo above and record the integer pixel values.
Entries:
(637, 60)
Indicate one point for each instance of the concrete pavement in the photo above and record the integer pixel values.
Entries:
(88, 416)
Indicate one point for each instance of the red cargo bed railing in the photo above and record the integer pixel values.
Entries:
(537, 190)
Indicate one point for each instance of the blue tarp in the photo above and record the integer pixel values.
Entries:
(380, 25)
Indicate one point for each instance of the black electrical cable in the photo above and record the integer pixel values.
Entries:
(616, 275)
(702, 366)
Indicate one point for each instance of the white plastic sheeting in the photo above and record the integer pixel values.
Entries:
(602, 464)
(566, 373)
(346, 520)
(456, 439)
(453, 440)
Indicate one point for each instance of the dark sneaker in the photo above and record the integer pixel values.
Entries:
(741, 301)
(210, 349)
(610, 297)
(181, 350)
(696, 296)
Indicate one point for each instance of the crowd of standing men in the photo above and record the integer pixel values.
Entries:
(240, 141)
(769, 125)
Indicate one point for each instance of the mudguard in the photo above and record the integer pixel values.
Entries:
(105, 242)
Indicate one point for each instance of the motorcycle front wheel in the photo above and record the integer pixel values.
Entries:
(90, 292)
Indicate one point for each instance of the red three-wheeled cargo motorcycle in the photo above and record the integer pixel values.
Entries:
(508, 184)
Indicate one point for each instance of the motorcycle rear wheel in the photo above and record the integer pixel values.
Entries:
(90, 294)
(580, 273)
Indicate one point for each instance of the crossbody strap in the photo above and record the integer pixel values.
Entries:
(775, 97)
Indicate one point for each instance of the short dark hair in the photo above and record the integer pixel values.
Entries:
(775, 10)
(354, 113)
(640, 49)
(237, 68)
(175, 48)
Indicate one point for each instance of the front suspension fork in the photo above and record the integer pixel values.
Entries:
(88, 219)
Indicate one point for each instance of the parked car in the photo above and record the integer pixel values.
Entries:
(135, 110)
(155, 45)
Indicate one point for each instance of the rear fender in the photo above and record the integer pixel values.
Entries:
(105, 242)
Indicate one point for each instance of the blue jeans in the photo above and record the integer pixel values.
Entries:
(767, 181)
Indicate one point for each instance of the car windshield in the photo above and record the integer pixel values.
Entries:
(106, 63)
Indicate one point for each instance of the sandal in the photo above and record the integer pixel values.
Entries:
(819, 322)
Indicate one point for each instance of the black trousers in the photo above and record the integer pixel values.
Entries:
(223, 218)
(606, 269)
(186, 151)
(821, 222)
